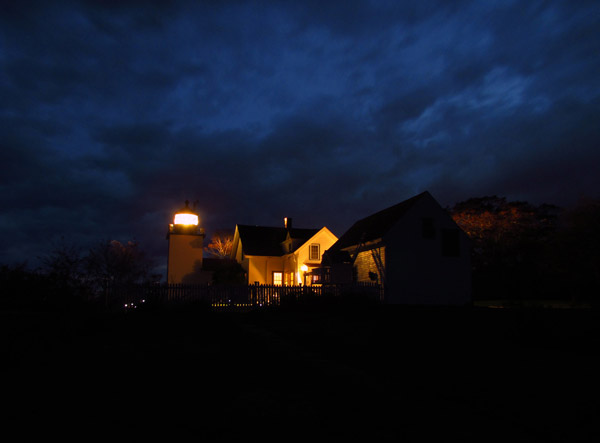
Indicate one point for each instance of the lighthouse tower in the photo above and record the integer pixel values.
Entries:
(186, 245)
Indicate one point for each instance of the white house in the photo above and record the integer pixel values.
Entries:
(414, 249)
(279, 255)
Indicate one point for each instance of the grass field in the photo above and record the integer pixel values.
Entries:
(377, 373)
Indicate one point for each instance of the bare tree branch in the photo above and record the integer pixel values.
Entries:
(220, 245)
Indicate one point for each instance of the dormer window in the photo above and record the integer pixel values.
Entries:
(314, 252)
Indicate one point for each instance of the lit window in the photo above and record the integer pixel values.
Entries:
(277, 278)
(314, 253)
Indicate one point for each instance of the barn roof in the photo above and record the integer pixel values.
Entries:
(375, 226)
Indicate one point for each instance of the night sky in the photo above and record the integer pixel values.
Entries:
(114, 113)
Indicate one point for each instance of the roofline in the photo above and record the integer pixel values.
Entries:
(237, 236)
(366, 245)
(412, 201)
(276, 227)
(414, 198)
(317, 233)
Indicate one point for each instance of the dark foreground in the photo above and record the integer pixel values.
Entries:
(372, 373)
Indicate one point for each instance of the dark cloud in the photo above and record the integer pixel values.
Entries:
(114, 113)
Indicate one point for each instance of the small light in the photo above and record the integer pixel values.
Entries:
(304, 268)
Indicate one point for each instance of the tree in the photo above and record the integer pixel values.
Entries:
(220, 244)
(510, 245)
(63, 269)
(576, 250)
(64, 264)
(230, 272)
(111, 261)
(68, 275)
(21, 287)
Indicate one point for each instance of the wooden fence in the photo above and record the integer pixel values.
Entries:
(232, 296)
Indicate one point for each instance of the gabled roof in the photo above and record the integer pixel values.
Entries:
(266, 240)
(375, 226)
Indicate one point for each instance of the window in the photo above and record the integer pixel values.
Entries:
(314, 252)
(427, 228)
(288, 278)
(277, 278)
(450, 243)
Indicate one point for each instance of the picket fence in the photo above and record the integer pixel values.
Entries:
(232, 296)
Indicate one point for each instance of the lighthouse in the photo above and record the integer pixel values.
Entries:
(186, 246)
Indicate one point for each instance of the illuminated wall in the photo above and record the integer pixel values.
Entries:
(294, 261)
(366, 265)
(260, 268)
(185, 259)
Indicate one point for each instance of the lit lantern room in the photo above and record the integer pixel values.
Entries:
(185, 221)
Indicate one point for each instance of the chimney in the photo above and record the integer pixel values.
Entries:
(287, 223)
